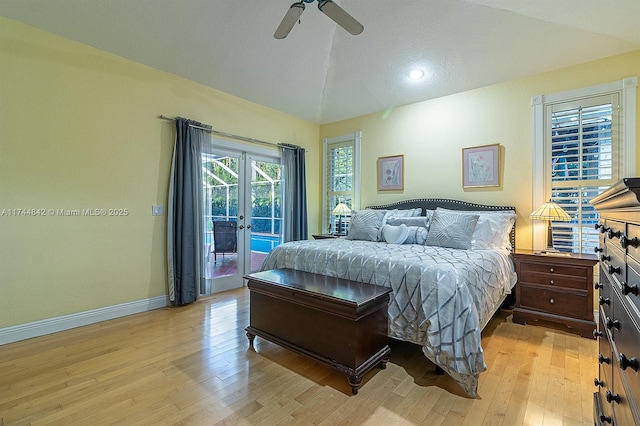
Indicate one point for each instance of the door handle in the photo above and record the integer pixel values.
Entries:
(241, 227)
(248, 226)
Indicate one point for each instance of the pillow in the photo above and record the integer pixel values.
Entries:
(492, 230)
(421, 221)
(416, 235)
(364, 225)
(390, 214)
(394, 234)
(451, 229)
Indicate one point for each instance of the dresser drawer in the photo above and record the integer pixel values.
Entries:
(618, 400)
(614, 230)
(627, 351)
(614, 264)
(606, 292)
(605, 356)
(633, 231)
(631, 288)
(571, 304)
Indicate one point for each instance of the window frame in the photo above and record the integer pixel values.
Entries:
(327, 143)
(626, 90)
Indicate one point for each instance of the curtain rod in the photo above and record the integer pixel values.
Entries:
(232, 136)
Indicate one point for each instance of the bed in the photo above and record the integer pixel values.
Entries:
(446, 261)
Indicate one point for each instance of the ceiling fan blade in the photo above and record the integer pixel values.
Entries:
(289, 20)
(340, 17)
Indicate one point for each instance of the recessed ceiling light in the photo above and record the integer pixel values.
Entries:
(416, 74)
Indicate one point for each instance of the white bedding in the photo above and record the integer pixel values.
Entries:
(442, 297)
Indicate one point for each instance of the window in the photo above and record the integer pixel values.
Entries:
(341, 180)
(585, 139)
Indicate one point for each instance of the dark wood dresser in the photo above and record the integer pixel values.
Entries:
(617, 400)
(338, 322)
(555, 288)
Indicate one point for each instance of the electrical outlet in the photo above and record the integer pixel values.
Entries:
(157, 210)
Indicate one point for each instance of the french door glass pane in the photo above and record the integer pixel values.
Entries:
(266, 210)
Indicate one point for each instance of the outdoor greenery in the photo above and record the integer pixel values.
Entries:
(266, 193)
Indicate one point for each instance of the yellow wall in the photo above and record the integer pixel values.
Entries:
(79, 129)
(431, 136)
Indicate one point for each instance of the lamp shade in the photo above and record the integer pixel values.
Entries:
(341, 209)
(550, 211)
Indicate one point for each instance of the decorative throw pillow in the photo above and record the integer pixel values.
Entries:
(492, 230)
(394, 234)
(452, 230)
(395, 213)
(417, 235)
(422, 221)
(364, 225)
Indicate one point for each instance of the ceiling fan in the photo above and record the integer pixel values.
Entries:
(328, 7)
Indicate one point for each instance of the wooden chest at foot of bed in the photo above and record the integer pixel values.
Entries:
(337, 322)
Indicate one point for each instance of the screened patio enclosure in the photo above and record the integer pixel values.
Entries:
(221, 193)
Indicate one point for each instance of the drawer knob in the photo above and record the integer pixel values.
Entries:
(604, 229)
(597, 226)
(626, 242)
(597, 382)
(552, 300)
(605, 258)
(605, 301)
(604, 419)
(551, 270)
(612, 323)
(613, 234)
(597, 333)
(598, 250)
(599, 285)
(551, 282)
(614, 269)
(604, 359)
(626, 289)
(611, 397)
(626, 362)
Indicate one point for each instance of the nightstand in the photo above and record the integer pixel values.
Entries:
(555, 288)
(323, 236)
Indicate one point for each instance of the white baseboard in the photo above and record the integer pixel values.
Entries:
(66, 322)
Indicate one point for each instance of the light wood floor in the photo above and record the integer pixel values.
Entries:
(192, 365)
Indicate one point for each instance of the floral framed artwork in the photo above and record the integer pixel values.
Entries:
(391, 173)
(481, 166)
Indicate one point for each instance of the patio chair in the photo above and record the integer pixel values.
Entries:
(225, 238)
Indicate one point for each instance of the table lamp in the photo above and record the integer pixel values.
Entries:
(550, 211)
(340, 210)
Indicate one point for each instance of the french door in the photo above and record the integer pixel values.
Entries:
(242, 211)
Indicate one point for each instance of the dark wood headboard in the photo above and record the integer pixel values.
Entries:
(433, 203)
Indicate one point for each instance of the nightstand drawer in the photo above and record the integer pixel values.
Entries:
(574, 304)
(555, 269)
(554, 280)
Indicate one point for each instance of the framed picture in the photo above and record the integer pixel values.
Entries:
(481, 166)
(391, 173)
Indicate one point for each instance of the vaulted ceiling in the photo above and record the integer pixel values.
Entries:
(322, 73)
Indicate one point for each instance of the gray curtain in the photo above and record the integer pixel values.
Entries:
(184, 215)
(295, 193)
